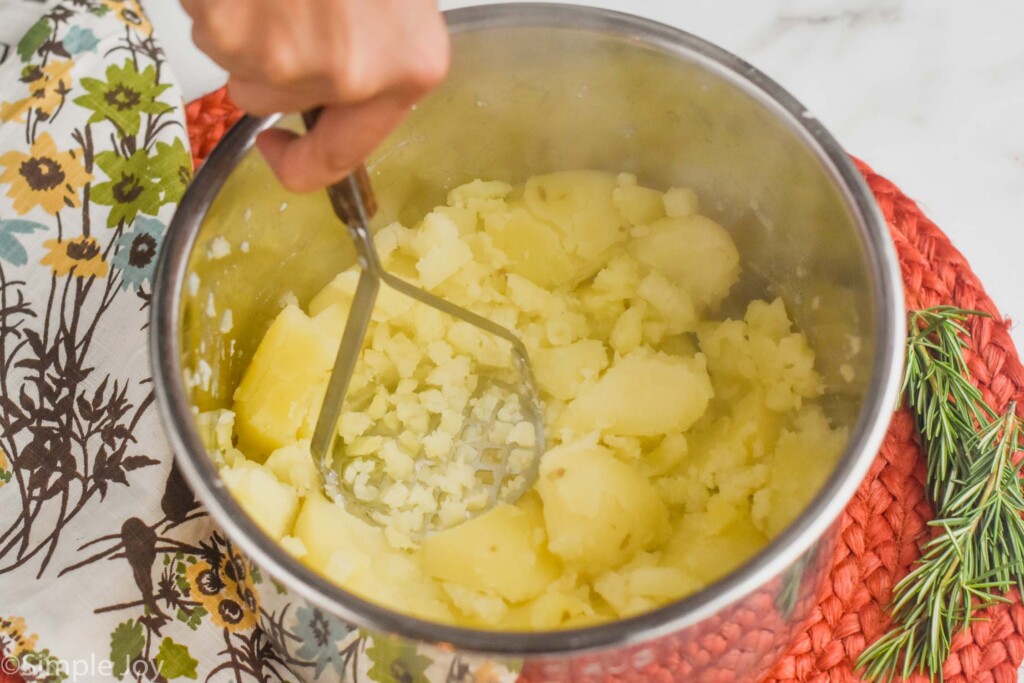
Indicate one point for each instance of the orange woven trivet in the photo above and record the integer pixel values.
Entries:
(887, 519)
(209, 117)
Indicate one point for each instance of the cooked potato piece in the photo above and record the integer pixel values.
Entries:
(802, 461)
(639, 205)
(271, 504)
(643, 584)
(464, 218)
(598, 511)
(480, 608)
(357, 556)
(324, 528)
(564, 603)
(760, 351)
(281, 391)
(644, 393)
(709, 557)
(440, 249)
(471, 194)
(579, 204)
(293, 465)
(533, 247)
(561, 370)
(681, 201)
(339, 292)
(390, 579)
(673, 308)
(498, 553)
(694, 253)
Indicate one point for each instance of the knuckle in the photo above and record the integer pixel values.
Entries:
(349, 82)
(277, 64)
(221, 25)
(429, 68)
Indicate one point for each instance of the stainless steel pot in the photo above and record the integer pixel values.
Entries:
(537, 88)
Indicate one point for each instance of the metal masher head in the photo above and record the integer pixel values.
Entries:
(494, 453)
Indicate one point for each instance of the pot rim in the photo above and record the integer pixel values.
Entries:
(813, 523)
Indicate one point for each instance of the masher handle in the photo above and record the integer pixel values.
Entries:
(352, 193)
(353, 202)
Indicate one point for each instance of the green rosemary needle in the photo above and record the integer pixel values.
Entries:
(976, 490)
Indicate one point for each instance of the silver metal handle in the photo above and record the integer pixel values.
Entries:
(322, 444)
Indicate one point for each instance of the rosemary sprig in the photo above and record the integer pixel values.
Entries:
(975, 487)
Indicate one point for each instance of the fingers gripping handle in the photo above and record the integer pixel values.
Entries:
(353, 202)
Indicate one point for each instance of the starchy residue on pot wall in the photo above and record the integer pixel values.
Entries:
(679, 443)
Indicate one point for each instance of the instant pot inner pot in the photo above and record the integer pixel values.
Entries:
(522, 101)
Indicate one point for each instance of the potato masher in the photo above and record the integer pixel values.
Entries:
(502, 472)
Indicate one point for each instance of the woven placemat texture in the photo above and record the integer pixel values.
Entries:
(209, 117)
(887, 520)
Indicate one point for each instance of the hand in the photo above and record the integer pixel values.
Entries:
(366, 62)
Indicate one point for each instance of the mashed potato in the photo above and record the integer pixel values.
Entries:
(678, 443)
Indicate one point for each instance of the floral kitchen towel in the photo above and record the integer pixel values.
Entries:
(108, 567)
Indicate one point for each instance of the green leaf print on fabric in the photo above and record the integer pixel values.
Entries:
(172, 169)
(124, 96)
(174, 661)
(11, 249)
(191, 618)
(126, 643)
(395, 661)
(33, 39)
(131, 188)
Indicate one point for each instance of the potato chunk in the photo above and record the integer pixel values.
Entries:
(357, 556)
(580, 205)
(271, 504)
(598, 511)
(694, 253)
(279, 396)
(761, 351)
(560, 371)
(802, 461)
(644, 393)
(499, 553)
(534, 248)
(639, 205)
(293, 465)
(709, 556)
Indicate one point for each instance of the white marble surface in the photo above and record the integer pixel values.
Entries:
(929, 92)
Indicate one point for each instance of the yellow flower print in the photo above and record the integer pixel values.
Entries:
(81, 256)
(204, 585)
(5, 469)
(47, 86)
(44, 177)
(231, 603)
(13, 639)
(130, 14)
